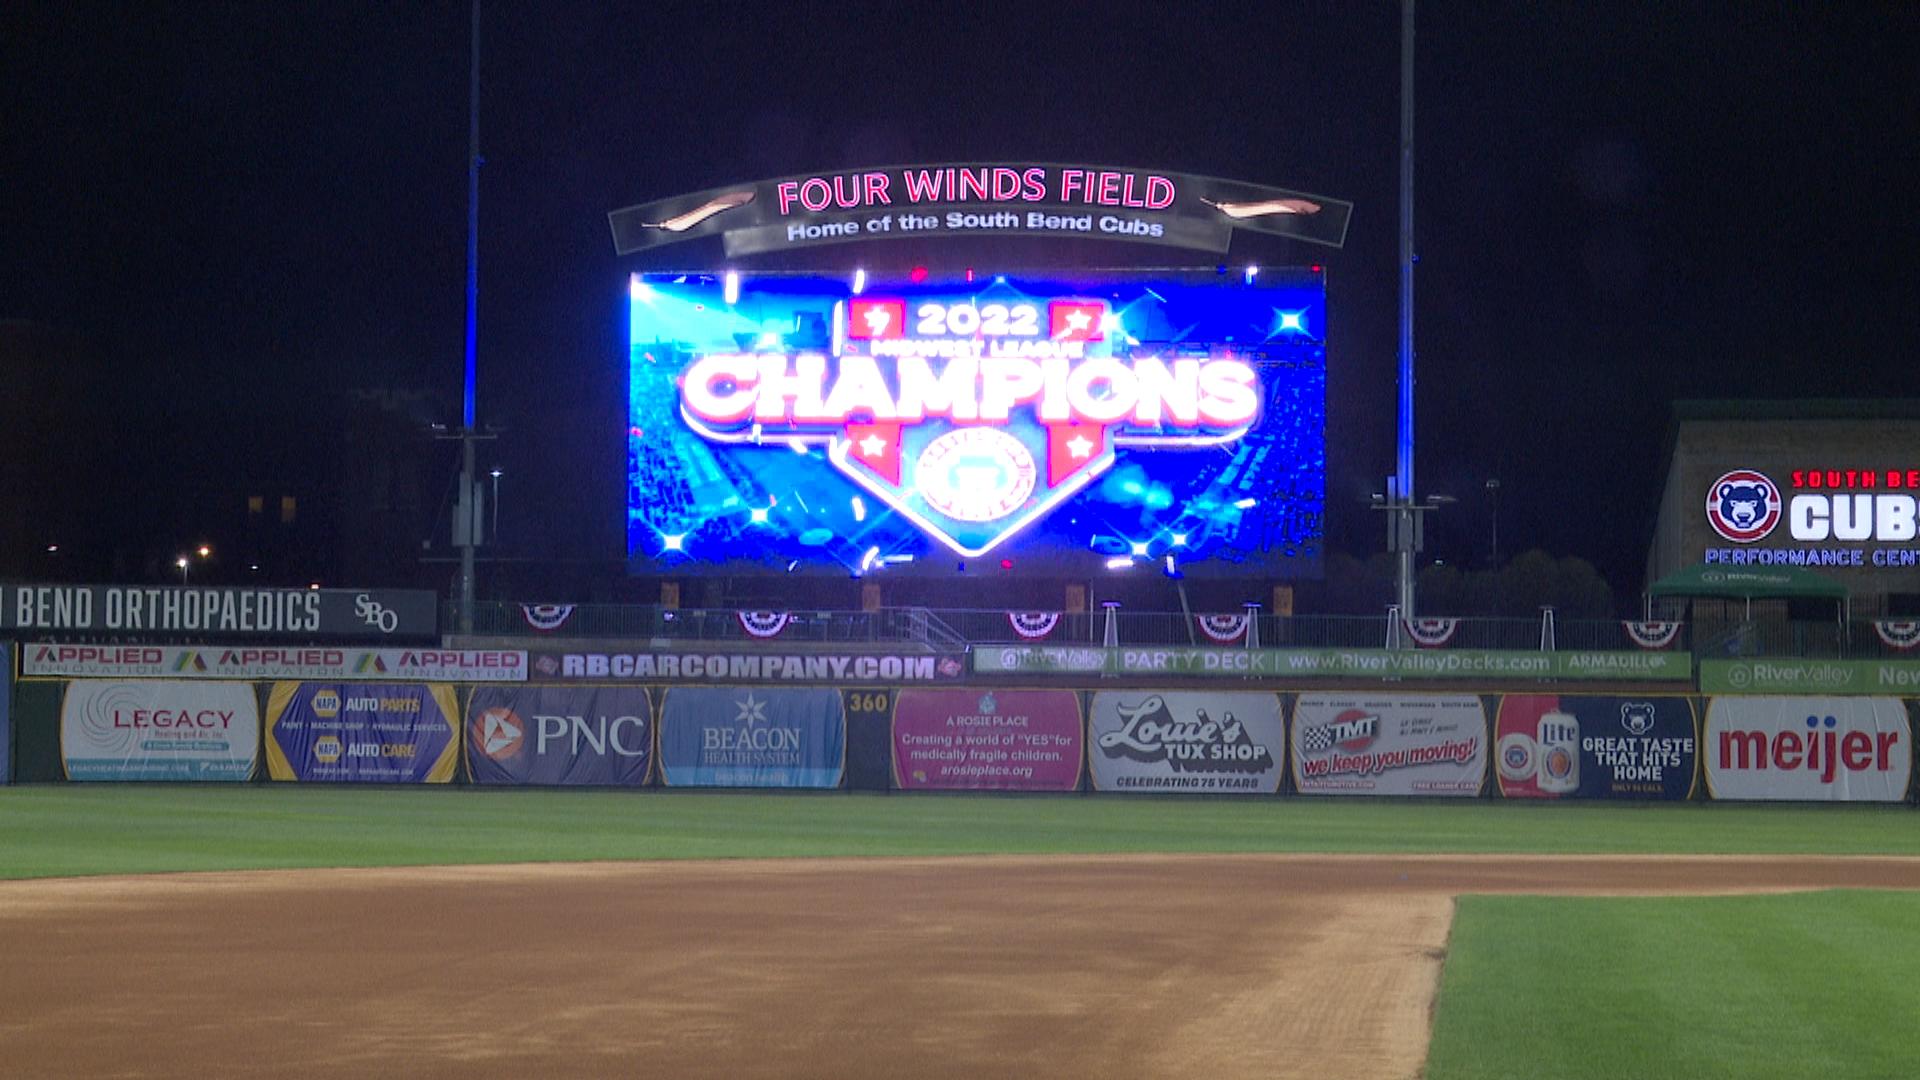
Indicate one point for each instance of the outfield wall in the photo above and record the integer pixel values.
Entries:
(953, 737)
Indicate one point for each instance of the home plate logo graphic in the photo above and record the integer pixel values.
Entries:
(972, 486)
(499, 733)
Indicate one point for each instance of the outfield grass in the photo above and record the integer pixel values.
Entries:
(61, 830)
(1749, 987)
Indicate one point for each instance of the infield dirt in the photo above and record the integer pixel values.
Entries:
(1193, 966)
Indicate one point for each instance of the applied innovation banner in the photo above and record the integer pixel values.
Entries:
(559, 735)
(1809, 749)
(1333, 663)
(1355, 744)
(155, 730)
(752, 736)
(376, 733)
(986, 740)
(1177, 740)
(1553, 746)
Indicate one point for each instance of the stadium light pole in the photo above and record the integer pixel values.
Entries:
(468, 485)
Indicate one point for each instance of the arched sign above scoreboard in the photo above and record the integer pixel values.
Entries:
(1112, 203)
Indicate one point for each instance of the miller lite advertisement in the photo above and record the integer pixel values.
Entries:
(1367, 744)
(1809, 749)
(847, 425)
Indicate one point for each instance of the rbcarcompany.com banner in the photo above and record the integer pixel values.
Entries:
(380, 733)
(752, 736)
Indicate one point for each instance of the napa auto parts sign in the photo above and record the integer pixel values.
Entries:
(997, 199)
(1854, 517)
(1818, 749)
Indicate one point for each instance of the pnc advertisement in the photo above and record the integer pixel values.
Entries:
(839, 424)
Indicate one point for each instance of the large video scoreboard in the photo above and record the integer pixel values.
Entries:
(1056, 424)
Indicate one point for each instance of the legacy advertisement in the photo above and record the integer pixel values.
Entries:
(807, 423)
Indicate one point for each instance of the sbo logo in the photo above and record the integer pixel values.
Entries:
(373, 613)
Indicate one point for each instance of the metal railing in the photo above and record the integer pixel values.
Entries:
(956, 629)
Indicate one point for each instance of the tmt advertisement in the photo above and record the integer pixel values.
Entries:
(1376, 744)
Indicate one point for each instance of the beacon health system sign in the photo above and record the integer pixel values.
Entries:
(986, 740)
(752, 736)
(1186, 741)
(1563, 746)
(906, 425)
(1809, 749)
(557, 735)
(159, 730)
(1389, 745)
(1148, 206)
(381, 733)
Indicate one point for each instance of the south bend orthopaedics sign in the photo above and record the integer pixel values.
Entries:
(1109, 202)
(1832, 517)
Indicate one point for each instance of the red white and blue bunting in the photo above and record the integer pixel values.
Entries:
(1902, 634)
(763, 624)
(1223, 629)
(546, 618)
(1033, 625)
(1432, 633)
(1652, 634)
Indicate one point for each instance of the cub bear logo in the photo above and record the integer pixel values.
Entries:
(1743, 506)
(1637, 717)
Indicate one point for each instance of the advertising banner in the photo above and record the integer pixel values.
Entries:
(50, 660)
(752, 736)
(993, 740)
(1352, 744)
(6, 712)
(1826, 749)
(757, 666)
(1334, 663)
(1148, 206)
(1176, 740)
(1788, 676)
(368, 614)
(559, 735)
(378, 733)
(156, 730)
(1553, 746)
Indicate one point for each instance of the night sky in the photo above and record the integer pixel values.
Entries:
(237, 212)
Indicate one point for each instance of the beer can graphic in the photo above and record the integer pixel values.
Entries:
(1559, 753)
(1519, 760)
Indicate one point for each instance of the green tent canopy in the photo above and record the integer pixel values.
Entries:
(1749, 583)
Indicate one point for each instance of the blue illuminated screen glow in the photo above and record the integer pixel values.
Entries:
(1063, 423)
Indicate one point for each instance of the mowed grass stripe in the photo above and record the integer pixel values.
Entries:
(61, 830)
(1749, 987)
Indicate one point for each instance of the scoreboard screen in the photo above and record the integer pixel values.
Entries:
(1057, 424)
